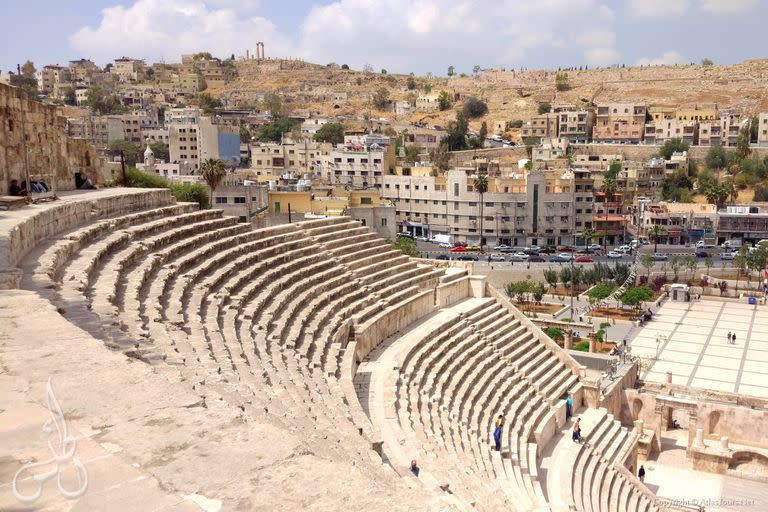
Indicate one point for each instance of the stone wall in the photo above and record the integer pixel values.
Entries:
(51, 155)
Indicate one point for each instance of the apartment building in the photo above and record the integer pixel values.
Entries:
(423, 138)
(128, 70)
(193, 143)
(710, 133)
(762, 129)
(136, 123)
(101, 131)
(157, 135)
(574, 124)
(674, 223)
(190, 83)
(50, 76)
(746, 222)
(360, 162)
(696, 113)
(428, 102)
(658, 132)
(520, 208)
(240, 197)
(543, 126)
(83, 70)
(620, 122)
(730, 126)
(273, 158)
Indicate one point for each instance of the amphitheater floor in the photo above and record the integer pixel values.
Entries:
(670, 476)
(693, 345)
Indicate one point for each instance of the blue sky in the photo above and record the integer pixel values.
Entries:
(400, 35)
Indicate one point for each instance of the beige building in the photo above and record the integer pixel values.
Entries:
(360, 162)
(428, 102)
(531, 207)
(51, 76)
(710, 133)
(543, 126)
(730, 126)
(661, 131)
(619, 122)
(240, 197)
(574, 124)
(272, 158)
(128, 70)
(762, 129)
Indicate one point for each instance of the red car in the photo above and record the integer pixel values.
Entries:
(566, 248)
(584, 259)
(458, 249)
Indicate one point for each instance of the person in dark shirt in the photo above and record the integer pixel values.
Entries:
(414, 467)
(641, 473)
(17, 190)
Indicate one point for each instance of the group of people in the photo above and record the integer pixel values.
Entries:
(20, 189)
(731, 338)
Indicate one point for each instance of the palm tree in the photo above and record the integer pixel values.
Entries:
(213, 171)
(656, 231)
(588, 234)
(481, 187)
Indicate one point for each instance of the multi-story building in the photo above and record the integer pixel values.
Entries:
(101, 131)
(674, 223)
(183, 144)
(83, 70)
(620, 122)
(748, 223)
(193, 143)
(312, 124)
(762, 129)
(216, 73)
(273, 159)
(191, 83)
(663, 130)
(608, 218)
(128, 70)
(240, 197)
(157, 135)
(730, 126)
(360, 162)
(50, 76)
(188, 115)
(423, 138)
(710, 133)
(135, 123)
(428, 102)
(543, 126)
(574, 124)
(527, 207)
(695, 113)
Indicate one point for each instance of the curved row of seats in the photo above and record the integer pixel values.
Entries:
(599, 483)
(257, 318)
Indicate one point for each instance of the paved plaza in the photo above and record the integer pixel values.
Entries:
(691, 341)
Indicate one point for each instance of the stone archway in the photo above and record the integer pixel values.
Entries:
(665, 404)
(713, 422)
(637, 408)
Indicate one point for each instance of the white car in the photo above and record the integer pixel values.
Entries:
(595, 247)
(727, 255)
(518, 256)
(497, 257)
(421, 238)
(615, 255)
(624, 249)
(446, 245)
(501, 247)
(565, 256)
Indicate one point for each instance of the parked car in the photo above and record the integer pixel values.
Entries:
(467, 257)
(459, 244)
(497, 257)
(473, 248)
(706, 244)
(531, 250)
(520, 256)
(614, 255)
(507, 249)
(548, 249)
(584, 259)
(657, 256)
(595, 247)
(585, 250)
(442, 257)
(501, 247)
(421, 238)
(458, 249)
(727, 255)
(566, 248)
(535, 258)
(446, 245)
(405, 234)
(625, 249)
(560, 258)
(701, 254)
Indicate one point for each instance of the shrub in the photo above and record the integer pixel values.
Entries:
(658, 282)
(555, 333)
(474, 107)
(582, 346)
(643, 280)
(191, 193)
(140, 179)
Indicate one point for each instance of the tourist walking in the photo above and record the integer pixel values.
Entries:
(497, 436)
(729, 336)
(733, 339)
(641, 473)
(414, 467)
(576, 436)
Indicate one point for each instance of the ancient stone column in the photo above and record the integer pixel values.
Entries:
(669, 377)
(638, 427)
(591, 345)
(724, 443)
(699, 442)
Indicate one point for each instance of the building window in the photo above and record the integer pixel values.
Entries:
(221, 200)
(366, 200)
(240, 200)
(383, 223)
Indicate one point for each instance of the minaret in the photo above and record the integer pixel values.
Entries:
(149, 159)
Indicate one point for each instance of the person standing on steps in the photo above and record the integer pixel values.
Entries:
(497, 434)
(414, 468)
(641, 474)
(733, 339)
(568, 407)
(729, 336)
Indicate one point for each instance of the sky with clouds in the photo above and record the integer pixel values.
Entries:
(400, 35)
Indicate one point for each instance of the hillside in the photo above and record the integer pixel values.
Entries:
(510, 94)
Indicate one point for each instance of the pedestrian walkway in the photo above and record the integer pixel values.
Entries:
(690, 340)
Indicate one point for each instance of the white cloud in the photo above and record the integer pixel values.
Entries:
(728, 6)
(657, 8)
(670, 57)
(601, 56)
(165, 29)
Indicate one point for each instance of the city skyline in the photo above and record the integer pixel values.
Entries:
(402, 37)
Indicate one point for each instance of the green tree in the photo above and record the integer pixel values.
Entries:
(427, 88)
(708, 263)
(675, 263)
(556, 333)
(441, 156)
(103, 104)
(475, 69)
(761, 193)
(544, 107)
(381, 99)
(451, 70)
(28, 69)
(70, 98)
(131, 152)
(716, 158)
(561, 82)
(550, 276)
(273, 132)
(330, 132)
(208, 102)
(691, 264)
(481, 187)
(28, 85)
(406, 245)
(443, 100)
(161, 150)
(537, 291)
(673, 146)
(613, 171)
(474, 107)
(273, 104)
(757, 259)
(656, 232)
(345, 66)
(740, 262)
(411, 153)
(647, 260)
(588, 235)
(706, 62)
(383, 71)
(600, 292)
(717, 192)
(213, 171)
(410, 83)
(742, 143)
(636, 296)
(483, 131)
(245, 135)
(456, 138)
(202, 56)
